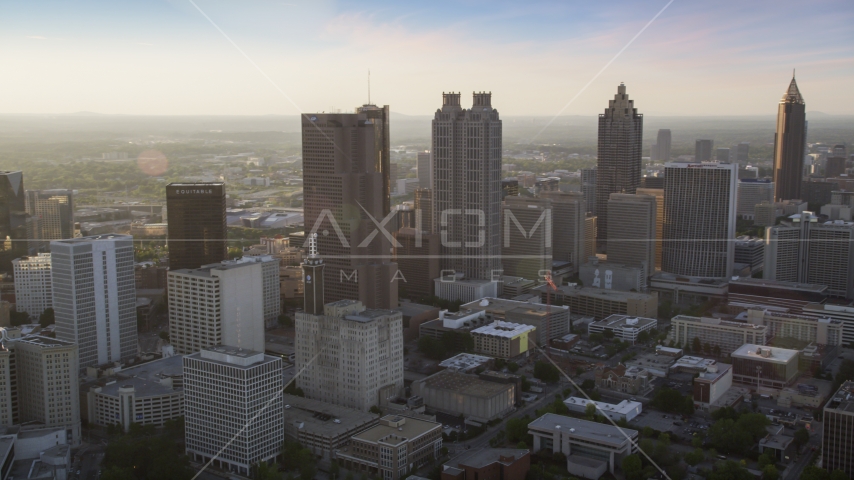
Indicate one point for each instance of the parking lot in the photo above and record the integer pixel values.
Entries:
(662, 422)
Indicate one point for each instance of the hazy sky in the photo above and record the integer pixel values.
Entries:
(164, 57)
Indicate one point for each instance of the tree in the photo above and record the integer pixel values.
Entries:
(590, 410)
(286, 321)
(695, 457)
(609, 334)
(696, 345)
(643, 337)
(264, 471)
(334, 469)
(716, 351)
(376, 410)
(522, 445)
(431, 348)
(632, 467)
(765, 460)
(696, 441)
(512, 366)
(770, 473)
(729, 470)
(588, 385)
(500, 363)
(671, 401)
(164, 336)
(838, 475)
(707, 347)
(802, 436)
(46, 318)
(443, 451)
(517, 429)
(811, 472)
(546, 372)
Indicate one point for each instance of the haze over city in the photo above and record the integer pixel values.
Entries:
(166, 58)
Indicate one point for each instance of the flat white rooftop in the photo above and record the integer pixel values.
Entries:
(624, 321)
(624, 407)
(765, 354)
(583, 429)
(464, 361)
(504, 329)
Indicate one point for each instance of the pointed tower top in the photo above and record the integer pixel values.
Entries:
(792, 95)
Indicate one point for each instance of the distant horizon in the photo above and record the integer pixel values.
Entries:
(541, 58)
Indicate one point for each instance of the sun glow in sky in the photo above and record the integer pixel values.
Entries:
(164, 57)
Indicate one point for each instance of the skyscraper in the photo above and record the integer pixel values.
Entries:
(663, 142)
(424, 205)
(568, 214)
(348, 355)
(588, 188)
(467, 180)
(703, 150)
(631, 234)
(346, 186)
(56, 211)
(722, 155)
(197, 229)
(94, 297)
(424, 164)
(33, 292)
(789, 144)
(699, 219)
(13, 219)
(619, 162)
(527, 248)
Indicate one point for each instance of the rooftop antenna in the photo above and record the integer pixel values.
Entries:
(369, 86)
(312, 245)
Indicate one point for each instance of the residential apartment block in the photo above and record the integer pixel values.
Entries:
(726, 335)
(33, 292)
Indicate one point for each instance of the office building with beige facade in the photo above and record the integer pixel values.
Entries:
(726, 335)
(551, 321)
(632, 223)
(33, 292)
(600, 303)
(218, 304)
(503, 339)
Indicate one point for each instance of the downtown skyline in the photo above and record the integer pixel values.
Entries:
(317, 57)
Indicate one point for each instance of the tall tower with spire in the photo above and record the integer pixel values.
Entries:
(312, 277)
(789, 144)
(619, 156)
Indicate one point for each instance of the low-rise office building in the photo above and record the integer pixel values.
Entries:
(550, 321)
(600, 303)
(631, 380)
(392, 449)
(503, 339)
(488, 464)
(711, 385)
(843, 313)
(591, 448)
(469, 395)
(726, 335)
(624, 327)
(764, 367)
(323, 427)
(465, 362)
(148, 394)
(625, 410)
(775, 293)
(655, 365)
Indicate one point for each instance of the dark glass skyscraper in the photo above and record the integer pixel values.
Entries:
(347, 199)
(620, 150)
(197, 228)
(789, 143)
(664, 140)
(13, 219)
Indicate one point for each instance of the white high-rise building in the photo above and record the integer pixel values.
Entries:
(233, 399)
(40, 382)
(805, 250)
(272, 291)
(94, 297)
(218, 304)
(632, 232)
(699, 219)
(33, 293)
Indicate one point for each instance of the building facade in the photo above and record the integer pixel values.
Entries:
(197, 227)
(94, 297)
(632, 231)
(396, 447)
(527, 248)
(599, 303)
(33, 292)
(502, 339)
(467, 184)
(424, 164)
(550, 321)
(789, 144)
(658, 193)
(837, 440)
(568, 213)
(472, 396)
(13, 219)
(762, 366)
(703, 150)
(220, 304)
(55, 208)
(664, 140)
(232, 402)
(726, 335)
(624, 327)
(620, 147)
(588, 188)
(752, 192)
(699, 219)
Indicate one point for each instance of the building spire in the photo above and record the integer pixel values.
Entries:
(792, 95)
(369, 86)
